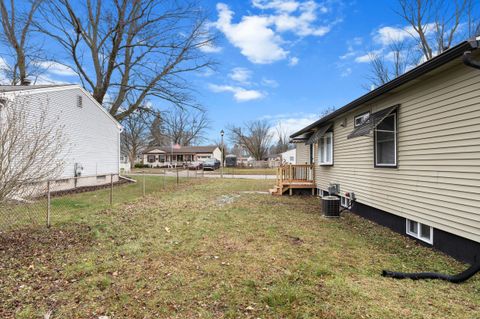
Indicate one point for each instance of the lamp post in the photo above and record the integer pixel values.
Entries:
(222, 149)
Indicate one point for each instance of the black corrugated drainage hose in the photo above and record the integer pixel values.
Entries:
(458, 278)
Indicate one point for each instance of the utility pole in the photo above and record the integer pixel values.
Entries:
(223, 150)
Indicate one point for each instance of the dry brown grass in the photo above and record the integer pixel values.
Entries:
(216, 249)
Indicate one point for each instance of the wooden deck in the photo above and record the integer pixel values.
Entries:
(291, 177)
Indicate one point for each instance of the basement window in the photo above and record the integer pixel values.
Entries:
(420, 231)
(325, 149)
(345, 202)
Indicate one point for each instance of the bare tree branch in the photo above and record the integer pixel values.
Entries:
(131, 50)
(255, 136)
(436, 23)
(17, 27)
(183, 127)
(31, 148)
(135, 134)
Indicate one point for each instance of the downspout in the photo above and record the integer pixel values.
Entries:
(468, 61)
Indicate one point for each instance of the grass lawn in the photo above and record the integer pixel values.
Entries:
(218, 249)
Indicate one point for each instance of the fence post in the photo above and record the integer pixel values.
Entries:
(143, 184)
(111, 189)
(176, 168)
(48, 204)
(164, 176)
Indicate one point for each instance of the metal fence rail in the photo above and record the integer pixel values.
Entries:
(57, 201)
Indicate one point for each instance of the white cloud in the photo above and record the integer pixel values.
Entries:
(346, 72)
(363, 58)
(241, 75)
(279, 5)
(388, 35)
(302, 24)
(291, 122)
(269, 82)
(259, 36)
(293, 61)
(252, 36)
(210, 48)
(239, 94)
(56, 68)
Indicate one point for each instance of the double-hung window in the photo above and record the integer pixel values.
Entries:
(325, 149)
(386, 142)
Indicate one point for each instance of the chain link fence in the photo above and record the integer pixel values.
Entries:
(57, 201)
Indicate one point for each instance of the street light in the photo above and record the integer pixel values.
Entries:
(223, 150)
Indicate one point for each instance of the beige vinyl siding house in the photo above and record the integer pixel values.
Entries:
(302, 155)
(436, 178)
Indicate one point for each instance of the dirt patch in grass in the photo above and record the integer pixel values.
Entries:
(182, 254)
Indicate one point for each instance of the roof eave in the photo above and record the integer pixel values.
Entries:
(420, 70)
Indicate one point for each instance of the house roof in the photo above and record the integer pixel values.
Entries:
(414, 73)
(16, 88)
(183, 149)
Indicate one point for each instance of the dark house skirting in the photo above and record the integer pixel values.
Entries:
(460, 248)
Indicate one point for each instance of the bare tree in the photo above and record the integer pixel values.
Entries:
(283, 139)
(135, 134)
(31, 148)
(255, 136)
(185, 126)
(385, 67)
(16, 35)
(157, 134)
(130, 50)
(435, 24)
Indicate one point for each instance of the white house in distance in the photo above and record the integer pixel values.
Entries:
(91, 134)
(289, 157)
(159, 156)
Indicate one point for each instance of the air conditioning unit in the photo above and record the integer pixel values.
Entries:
(331, 206)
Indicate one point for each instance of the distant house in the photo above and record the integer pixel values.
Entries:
(407, 154)
(289, 157)
(159, 156)
(91, 134)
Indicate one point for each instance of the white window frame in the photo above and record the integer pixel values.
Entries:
(364, 118)
(321, 161)
(345, 201)
(418, 234)
(394, 141)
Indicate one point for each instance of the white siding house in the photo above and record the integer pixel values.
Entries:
(289, 156)
(91, 135)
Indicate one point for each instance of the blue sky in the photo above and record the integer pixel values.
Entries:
(289, 60)
(284, 60)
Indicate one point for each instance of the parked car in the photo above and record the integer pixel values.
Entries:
(230, 160)
(195, 165)
(211, 164)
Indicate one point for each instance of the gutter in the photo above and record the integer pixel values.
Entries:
(422, 69)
